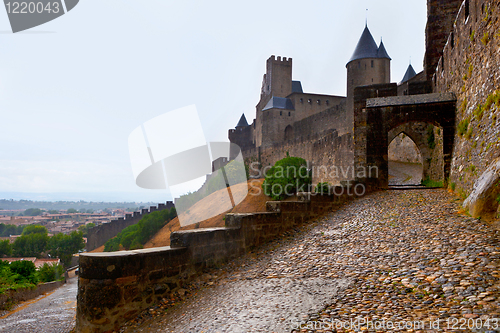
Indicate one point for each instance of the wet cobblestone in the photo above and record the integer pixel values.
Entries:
(396, 256)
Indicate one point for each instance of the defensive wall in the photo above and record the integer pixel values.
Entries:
(470, 68)
(99, 235)
(115, 287)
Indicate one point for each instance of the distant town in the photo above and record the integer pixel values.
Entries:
(67, 220)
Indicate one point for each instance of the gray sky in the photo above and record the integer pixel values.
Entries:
(72, 90)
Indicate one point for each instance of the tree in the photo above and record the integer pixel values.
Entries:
(85, 228)
(64, 246)
(53, 211)
(32, 212)
(5, 248)
(71, 211)
(34, 229)
(32, 242)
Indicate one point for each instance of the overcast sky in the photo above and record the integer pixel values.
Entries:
(72, 90)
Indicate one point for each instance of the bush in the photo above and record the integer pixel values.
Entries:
(286, 177)
(463, 126)
(25, 270)
(323, 188)
(49, 273)
(432, 183)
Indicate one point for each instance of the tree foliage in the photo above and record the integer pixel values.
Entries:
(32, 212)
(85, 228)
(135, 236)
(5, 248)
(64, 246)
(32, 242)
(49, 273)
(25, 270)
(6, 230)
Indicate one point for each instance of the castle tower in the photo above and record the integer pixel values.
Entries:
(369, 64)
(276, 86)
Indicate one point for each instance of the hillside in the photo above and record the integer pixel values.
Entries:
(254, 202)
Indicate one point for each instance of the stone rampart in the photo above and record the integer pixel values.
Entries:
(115, 287)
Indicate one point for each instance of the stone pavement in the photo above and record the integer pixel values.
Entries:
(391, 261)
(405, 173)
(52, 313)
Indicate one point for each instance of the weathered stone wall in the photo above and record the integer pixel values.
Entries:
(440, 17)
(470, 67)
(307, 105)
(115, 287)
(99, 235)
(315, 140)
(11, 297)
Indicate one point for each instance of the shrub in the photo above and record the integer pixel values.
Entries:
(463, 126)
(286, 177)
(452, 186)
(432, 183)
(479, 112)
(25, 270)
(49, 273)
(323, 188)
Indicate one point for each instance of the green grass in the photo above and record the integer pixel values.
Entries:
(432, 183)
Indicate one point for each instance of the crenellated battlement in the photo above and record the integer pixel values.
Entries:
(100, 234)
(279, 59)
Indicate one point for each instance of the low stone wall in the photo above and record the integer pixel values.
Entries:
(22, 295)
(115, 287)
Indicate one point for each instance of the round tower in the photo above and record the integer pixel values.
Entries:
(369, 64)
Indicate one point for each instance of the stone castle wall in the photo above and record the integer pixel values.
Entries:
(117, 286)
(470, 68)
(317, 141)
(99, 235)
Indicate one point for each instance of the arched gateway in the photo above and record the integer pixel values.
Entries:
(377, 111)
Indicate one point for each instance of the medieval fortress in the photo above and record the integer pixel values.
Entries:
(450, 111)
(462, 59)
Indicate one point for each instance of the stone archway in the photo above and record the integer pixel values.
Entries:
(375, 116)
(405, 161)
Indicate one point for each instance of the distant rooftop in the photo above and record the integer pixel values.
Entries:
(297, 87)
(279, 103)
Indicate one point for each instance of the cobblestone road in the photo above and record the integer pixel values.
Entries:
(54, 313)
(390, 257)
(404, 173)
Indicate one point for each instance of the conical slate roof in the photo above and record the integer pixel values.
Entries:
(366, 48)
(243, 121)
(382, 53)
(410, 72)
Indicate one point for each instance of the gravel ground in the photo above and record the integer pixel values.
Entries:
(404, 173)
(389, 259)
(54, 313)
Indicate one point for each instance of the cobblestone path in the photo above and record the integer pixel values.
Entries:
(404, 173)
(391, 258)
(54, 313)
